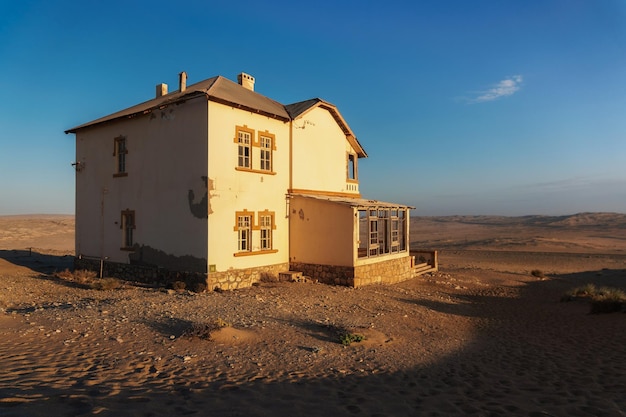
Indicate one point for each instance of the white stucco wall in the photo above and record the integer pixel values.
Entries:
(320, 151)
(231, 190)
(167, 157)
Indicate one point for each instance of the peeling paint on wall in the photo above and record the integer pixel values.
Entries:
(211, 187)
(199, 210)
(149, 256)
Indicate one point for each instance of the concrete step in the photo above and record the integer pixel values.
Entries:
(423, 269)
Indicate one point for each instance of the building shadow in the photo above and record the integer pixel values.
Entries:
(530, 355)
(38, 262)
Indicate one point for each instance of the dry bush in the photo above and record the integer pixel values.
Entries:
(84, 275)
(204, 330)
(179, 285)
(106, 284)
(603, 299)
(66, 275)
(80, 276)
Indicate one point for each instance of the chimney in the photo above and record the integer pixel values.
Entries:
(246, 81)
(161, 90)
(182, 81)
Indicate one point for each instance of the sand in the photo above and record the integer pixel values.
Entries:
(481, 337)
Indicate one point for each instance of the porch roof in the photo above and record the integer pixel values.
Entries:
(358, 203)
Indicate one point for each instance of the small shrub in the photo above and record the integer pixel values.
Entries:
(204, 330)
(67, 274)
(603, 299)
(80, 276)
(199, 287)
(219, 322)
(179, 285)
(538, 273)
(347, 338)
(586, 290)
(105, 284)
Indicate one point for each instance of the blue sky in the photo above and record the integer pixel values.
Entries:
(464, 107)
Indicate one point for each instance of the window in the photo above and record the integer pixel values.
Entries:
(120, 152)
(244, 150)
(255, 238)
(266, 224)
(128, 228)
(244, 138)
(266, 153)
(382, 231)
(248, 158)
(373, 248)
(352, 167)
(243, 233)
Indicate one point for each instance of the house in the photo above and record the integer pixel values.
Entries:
(219, 186)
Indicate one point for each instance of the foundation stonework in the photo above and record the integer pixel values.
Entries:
(241, 278)
(384, 272)
(145, 274)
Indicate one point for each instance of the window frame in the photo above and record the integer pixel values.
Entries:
(352, 170)
(241, 131)
(244, 230)
(258, 235)
(266, 147)
(264, 162)
(266, 227)
(128, 228)
(120, 150)
(385, 231)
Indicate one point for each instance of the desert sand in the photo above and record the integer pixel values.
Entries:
(481, 337)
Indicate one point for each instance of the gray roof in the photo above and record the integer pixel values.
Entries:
(360, 203)
(225, 91)
(218, 89)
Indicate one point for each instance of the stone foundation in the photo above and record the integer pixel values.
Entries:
(242, 278)
(327, 274)
(194, 281)
(383, 272)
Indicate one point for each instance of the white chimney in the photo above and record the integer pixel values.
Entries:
(246, 80)
(182, 81)
(161, 90)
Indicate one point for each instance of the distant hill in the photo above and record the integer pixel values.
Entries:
(602, 220)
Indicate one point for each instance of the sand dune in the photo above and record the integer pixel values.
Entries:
(482, 337)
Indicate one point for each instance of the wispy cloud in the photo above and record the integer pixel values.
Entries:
(504, 88)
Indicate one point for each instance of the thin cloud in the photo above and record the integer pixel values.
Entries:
(504, 88)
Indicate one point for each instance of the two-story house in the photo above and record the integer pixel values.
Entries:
(219, 184)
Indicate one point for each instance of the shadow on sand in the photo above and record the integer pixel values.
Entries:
(532, 356)
(38, 262)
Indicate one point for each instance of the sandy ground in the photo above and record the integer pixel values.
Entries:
(482, 337)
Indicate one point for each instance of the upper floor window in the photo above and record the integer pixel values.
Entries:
(266, 143)
(119, 151)
(244, 138)
(244, 152)
(352, 167)
(255, 150)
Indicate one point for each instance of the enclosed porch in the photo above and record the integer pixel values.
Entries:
(349, 241)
